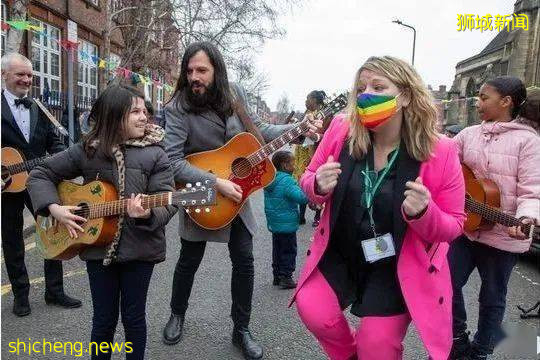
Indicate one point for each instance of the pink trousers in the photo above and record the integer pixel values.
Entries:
(376, 337)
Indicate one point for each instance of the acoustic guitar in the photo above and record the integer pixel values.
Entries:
(245, 162)
(482, 203)
(99, 204)
(15, 169)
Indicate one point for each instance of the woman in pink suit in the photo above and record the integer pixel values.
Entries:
(394, 196)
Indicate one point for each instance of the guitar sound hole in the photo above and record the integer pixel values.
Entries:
(241, 168)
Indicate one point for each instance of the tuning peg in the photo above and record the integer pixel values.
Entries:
(188, 185)
(207, 210)
(198, 184)
(187, 210)
(203, 201)
(207, 181)
(203, 188)
(193, 202)
(184, 202)
(197, 210)
(183, 191)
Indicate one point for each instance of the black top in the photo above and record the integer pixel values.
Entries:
(377, 291)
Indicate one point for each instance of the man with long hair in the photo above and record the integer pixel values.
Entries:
(201, 117)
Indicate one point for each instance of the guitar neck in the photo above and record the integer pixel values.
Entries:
(494, 215)
(285, 138)
(118, 207)
(24, 166)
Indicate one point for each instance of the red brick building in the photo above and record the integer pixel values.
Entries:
(50, 60)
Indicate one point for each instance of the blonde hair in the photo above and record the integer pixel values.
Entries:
(419, 128)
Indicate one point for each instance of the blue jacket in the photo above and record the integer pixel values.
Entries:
(281, 200)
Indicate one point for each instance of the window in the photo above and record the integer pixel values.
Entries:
(160, 95)
(46, 60)
(87, 74)
(4, 33)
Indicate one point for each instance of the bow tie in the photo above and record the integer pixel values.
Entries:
(26, 102)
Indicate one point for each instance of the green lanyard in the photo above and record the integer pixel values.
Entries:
(370, 188)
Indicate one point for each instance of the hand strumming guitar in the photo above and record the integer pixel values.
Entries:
(65, 216)
(229, 189)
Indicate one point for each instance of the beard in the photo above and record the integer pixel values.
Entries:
(203, 100)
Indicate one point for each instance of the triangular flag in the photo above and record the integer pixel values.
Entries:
(19, 25)
(5, 26)
(101, 64)
(35, 28)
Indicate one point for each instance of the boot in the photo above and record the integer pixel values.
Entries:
(21, 306)
(172, 333)
(62, 300)
(461, 347)
(287, 282)
(277, 279)
(242, 339)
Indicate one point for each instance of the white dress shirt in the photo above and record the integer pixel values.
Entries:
(20, 113)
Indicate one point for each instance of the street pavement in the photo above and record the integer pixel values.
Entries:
(208, 325)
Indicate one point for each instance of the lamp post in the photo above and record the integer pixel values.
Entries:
(399, 22)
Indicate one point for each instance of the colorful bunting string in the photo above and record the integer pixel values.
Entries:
(86, 57)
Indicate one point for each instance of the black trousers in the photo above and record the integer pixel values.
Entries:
(13, 246)
(119, 288)
(495, 267)
(241, 254)
(283, 254)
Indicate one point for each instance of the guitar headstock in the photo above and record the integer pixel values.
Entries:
(196, 197)
(335, 105)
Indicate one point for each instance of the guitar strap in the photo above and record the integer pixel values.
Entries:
(240, 111)
(51, 118)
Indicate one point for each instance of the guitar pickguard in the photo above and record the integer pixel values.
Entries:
(253, 180)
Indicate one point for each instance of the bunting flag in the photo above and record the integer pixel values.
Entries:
(67, 45)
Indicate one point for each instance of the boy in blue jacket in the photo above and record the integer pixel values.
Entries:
(281, 200)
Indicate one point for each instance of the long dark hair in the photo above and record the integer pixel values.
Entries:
(513, 87)
(531, 108)
(221, 101)
(108, 114)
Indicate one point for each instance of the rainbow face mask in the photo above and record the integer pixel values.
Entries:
(373, 109)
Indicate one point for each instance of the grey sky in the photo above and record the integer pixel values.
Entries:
(327, 40)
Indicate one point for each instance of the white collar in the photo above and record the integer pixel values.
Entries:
(10, 97)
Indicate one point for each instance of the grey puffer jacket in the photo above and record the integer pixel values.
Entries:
(147, 171)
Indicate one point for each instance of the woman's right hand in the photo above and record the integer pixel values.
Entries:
(229, 189)
(65, 216)
(327, 176)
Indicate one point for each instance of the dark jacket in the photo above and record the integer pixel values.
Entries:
(281, 200)
(147, 171)
(43, 138)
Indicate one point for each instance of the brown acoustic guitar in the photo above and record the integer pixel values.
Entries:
(15, 169)
(245, 162)
(482, 205)
(99, 204)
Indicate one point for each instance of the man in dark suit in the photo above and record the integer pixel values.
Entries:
(26, 129)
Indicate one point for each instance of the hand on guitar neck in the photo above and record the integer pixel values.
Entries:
(229, 189)
(516, 232)
(315, 126)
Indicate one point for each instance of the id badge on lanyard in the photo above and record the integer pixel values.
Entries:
(379, 246)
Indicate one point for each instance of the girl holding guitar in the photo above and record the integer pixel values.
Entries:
(122, 149)
(507, 151)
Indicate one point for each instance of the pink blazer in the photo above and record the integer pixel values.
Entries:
(423, 270)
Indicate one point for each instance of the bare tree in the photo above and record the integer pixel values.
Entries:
(14, 37)
(283, 106)
(149, 35)
(238, 27)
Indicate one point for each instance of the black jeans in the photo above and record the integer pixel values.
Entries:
(241, 254)
(283, 254)
(13, 246)
(494, 267)
(119, 286)
(303, 208)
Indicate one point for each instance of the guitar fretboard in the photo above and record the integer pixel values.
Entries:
(285, 138)
(494, 215)
(117, 207)
(24, 166)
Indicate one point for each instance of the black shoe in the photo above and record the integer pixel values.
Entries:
(243, 340)
(172, 333)
(477, 354)
(21, 307)
(461, 347)
(62, 300)
(276, 281)
(287, 283)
